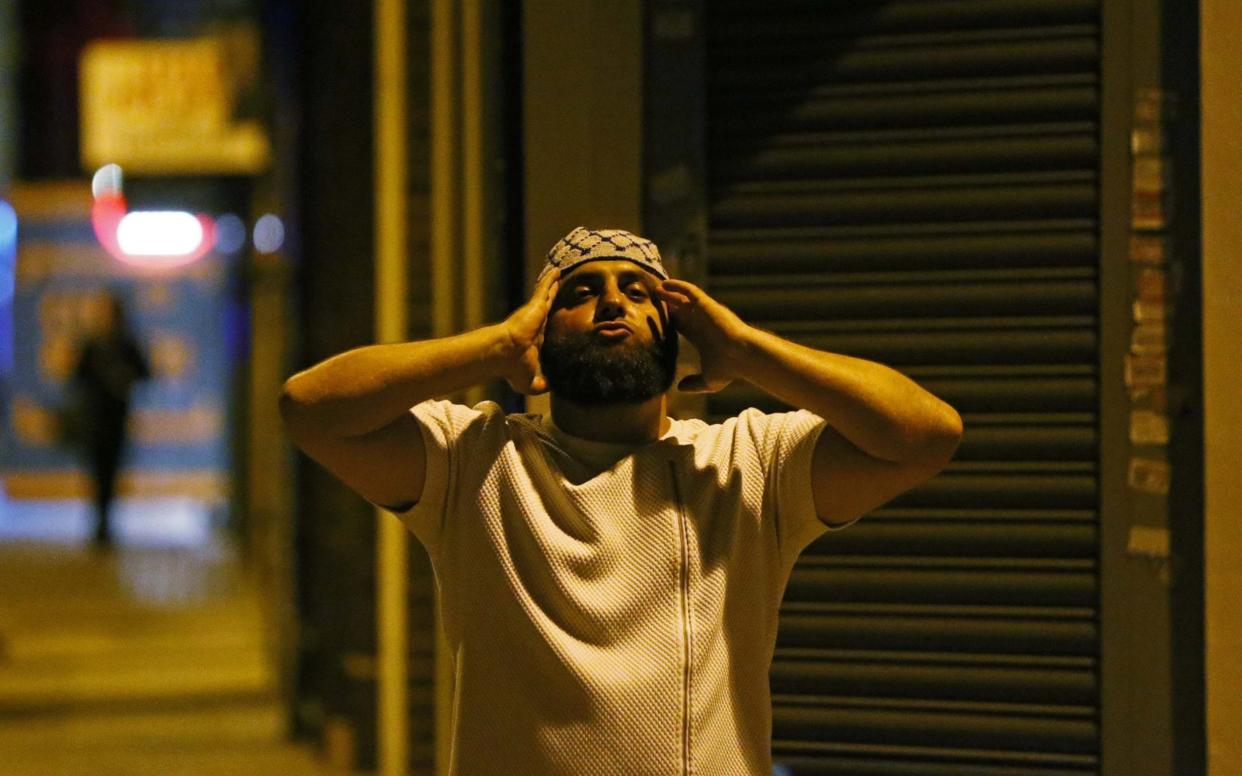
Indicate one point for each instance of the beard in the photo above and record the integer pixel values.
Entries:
(584, 370)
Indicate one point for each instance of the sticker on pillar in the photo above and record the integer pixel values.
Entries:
(1147, 211)
(1146, 140)
(1147, 109)
(1146, 249)
(1148, 172)
(1149, 339)
(1149, 312)
(1153, 106)
(1148, 428)
(1151, 543)
(1148, 541)
(1153, 285)
(1145, 371)
(1149, 475)
(1155, 398)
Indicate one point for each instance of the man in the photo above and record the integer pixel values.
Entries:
(609, 577)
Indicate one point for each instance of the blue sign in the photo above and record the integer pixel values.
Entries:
(179, 421)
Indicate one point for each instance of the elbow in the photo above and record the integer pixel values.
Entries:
(934, 441)
(293, 405)
(945, 436)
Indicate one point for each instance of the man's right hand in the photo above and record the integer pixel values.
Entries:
(524, 331)
(351, 413)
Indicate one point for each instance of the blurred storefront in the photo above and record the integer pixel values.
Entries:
(148, 191)
(140, 158)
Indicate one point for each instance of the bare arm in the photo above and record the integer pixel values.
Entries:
(877, 409)
(886, 434)
(351, 412)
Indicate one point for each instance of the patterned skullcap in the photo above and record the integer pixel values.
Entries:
(583, 245)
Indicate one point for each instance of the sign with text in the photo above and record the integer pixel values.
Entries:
(172, 107)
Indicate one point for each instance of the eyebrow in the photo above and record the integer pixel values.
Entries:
(624, 276)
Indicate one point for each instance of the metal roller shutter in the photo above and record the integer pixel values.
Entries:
(916, 183)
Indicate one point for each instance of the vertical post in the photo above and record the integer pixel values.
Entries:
(472, 154)
(390, 322)
(1222, 374)
(444, 166)
(444, 215)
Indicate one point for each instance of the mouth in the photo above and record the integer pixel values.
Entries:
(613, 330)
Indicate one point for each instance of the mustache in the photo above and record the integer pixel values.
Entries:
(580, 368)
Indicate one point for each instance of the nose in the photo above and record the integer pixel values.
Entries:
(611, 303)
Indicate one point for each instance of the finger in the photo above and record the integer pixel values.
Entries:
(672, 296)
(545, 289)
(527, 385)
(548, 279)
(683, 287)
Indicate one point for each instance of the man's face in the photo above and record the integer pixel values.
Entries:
(608, 339)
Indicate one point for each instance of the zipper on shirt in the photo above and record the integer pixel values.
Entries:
(687, 629)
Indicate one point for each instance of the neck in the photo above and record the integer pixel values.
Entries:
(620, 423)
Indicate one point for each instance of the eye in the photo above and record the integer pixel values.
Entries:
(637, 291)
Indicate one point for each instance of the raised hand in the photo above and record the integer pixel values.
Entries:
(524, 330)
(714, 330)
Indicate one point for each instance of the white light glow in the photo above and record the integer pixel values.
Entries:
(159, 233)
(108, 180)
(269, 234)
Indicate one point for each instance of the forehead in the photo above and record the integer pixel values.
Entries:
(601, 269)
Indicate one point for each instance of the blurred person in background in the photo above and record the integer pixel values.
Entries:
(610, 577)
(110, 362)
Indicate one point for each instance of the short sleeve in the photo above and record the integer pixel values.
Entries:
(443, 424)
(789, 446)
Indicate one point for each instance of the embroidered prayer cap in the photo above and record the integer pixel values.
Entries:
(583, 245)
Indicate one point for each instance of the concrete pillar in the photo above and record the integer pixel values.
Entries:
(1222, 357)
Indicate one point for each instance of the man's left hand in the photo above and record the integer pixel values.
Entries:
(714, 330)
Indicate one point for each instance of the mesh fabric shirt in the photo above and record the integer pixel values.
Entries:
(612, 609)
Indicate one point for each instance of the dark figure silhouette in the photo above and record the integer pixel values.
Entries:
(108, 366)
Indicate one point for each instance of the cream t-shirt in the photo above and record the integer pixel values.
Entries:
(612, 609)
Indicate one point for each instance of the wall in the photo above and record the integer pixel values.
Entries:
(1222, 283)
(583, 118)
(582, 122)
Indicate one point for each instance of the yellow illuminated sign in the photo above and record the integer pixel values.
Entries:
(170, 107)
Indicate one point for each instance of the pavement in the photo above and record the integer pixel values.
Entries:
(147, 659)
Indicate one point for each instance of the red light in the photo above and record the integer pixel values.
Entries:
(110, 208)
